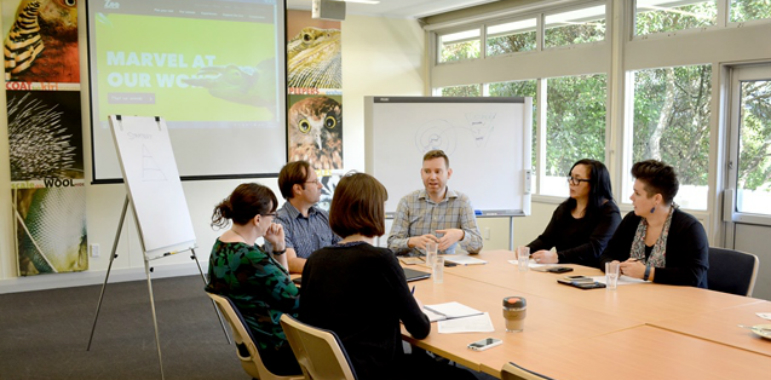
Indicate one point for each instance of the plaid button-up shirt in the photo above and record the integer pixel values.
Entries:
(418, 215)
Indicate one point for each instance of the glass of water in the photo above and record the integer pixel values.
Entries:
(523, 258)
(431, 249)
(611, 274)
(438, 269)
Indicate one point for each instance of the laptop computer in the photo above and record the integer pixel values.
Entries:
(410, 274)
(415, 275)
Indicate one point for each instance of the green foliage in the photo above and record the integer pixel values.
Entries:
(460, 51)
(671, 119)
(511, 43)
(459, 91)
(755, 150)
(575, 121)
(746, 10)
(677, 18)
(575, 34)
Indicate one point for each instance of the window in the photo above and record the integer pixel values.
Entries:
(521, 88)
(575, 27)
(754, 175)
(575, 127)
(511, 37)
(671, 124)
(470, 90)
(657, 16)
(747, 10)
(459, 46)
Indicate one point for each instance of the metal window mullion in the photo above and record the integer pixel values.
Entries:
(722, 13)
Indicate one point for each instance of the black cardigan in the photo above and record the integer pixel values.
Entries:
(579, 241)
(360, 292)
(687, 250)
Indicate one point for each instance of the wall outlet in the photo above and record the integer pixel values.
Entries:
(487, 233)
(94, 248)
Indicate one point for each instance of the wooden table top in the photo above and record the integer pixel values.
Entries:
(647, 302)
(548, 323)
(655, 331)
(721, 326)
(642, 352)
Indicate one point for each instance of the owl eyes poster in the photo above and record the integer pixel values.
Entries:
(315, 101)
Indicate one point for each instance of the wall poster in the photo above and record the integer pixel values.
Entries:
(315, 97)
(42, 82)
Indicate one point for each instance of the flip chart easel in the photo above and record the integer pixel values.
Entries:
(154, 190)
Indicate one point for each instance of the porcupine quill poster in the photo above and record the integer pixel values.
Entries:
(315, 116)
(45, 134)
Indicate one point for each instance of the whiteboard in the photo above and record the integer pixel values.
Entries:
(488, 142)
(153, 185)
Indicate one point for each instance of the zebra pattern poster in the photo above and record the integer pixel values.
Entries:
(42, 74)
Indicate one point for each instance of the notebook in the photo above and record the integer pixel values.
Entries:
(415, 275)
(464, 260)
(449, 310)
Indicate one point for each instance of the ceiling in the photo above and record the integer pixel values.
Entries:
(397, 8)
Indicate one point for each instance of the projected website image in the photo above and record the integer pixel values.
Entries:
(209, 68)
(186, 69)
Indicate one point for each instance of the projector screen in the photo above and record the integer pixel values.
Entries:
(213, 69)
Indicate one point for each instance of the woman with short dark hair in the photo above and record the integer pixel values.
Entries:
(581, 226)
(658, 242)
(258, 285)
(359, 290)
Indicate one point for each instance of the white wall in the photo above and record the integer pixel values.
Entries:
(381, 56)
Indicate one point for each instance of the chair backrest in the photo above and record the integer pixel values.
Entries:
(512, 371)
(732, 271)
(246, 348)
(320, 353)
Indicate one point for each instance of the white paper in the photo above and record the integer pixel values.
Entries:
(533, 265)
(765, 315)
(451, 310)
(477, 323)
(622, 280)
(464, 260)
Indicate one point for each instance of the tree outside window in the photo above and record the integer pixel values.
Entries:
(672, 107)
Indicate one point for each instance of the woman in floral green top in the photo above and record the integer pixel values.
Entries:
(259, 285)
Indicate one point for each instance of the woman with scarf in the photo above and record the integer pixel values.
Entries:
(657, 242)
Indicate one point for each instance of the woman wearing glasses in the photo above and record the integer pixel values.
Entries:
(259, 285)
(657, 242)
(582, 225)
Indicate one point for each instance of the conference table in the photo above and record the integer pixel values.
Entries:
(638, 331)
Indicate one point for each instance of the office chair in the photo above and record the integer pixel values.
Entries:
(246, 348)
(732, 271)
(512, 371)
(320, 353)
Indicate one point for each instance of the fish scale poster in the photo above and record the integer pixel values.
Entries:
(42, 82)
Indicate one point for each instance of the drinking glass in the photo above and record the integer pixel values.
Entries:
(611, 274)
(431, 249)
(523, 258)
(438, 269)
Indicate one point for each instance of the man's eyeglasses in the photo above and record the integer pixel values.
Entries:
(316, 182)
(272, 215)
(576, 181)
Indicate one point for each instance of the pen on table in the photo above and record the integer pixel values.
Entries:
(413, 289)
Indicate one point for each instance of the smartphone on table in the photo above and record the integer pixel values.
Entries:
(576, 279)
(484, 344)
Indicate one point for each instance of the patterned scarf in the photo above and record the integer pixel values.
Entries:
(658, 258)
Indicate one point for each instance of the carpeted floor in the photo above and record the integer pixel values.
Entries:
(43, 335)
